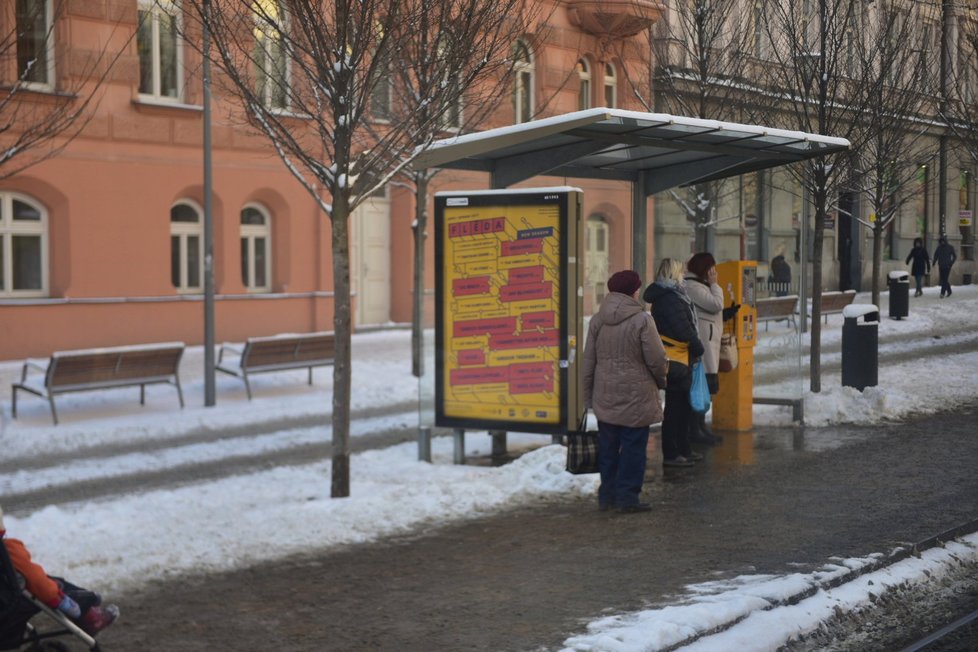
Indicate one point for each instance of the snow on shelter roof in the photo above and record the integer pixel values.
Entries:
(607, 143)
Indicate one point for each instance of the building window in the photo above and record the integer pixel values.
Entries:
(159, 53)
(35, 42)
(256, 238)
(186, 247)
(382, 93)
(23, 247)
(610, 86)
(584, 91)
(523, 86)
(271, 58)
(596, 260)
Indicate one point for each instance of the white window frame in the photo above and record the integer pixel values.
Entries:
(183, 231)
(523, 69)
(262, 37)
(596, 257)
(155, 9)
(250, 233)
(10, 228)
(610, 85)
(49, 82)
(584, 91)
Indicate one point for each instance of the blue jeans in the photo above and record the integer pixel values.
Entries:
(621, 461)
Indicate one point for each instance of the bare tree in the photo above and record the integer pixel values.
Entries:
(697, 51)
(307, 73)
(893, 63)
(490, 28)
(807, 83)
(39, 115)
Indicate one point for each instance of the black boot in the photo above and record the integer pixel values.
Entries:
(699, 433)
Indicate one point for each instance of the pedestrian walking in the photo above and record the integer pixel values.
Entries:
(919, 263)
(706, 297)
(944, 258)
(624, 367)
(674, 318)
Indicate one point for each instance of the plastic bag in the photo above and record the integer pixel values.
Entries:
(699, 390)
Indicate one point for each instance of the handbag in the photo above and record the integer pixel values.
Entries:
(699, 390)
(675, 350)
(582, 449)
(728, 353)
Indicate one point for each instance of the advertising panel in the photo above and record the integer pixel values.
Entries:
(508, 309)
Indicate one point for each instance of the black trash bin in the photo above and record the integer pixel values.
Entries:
(899, 283)
(860, 346)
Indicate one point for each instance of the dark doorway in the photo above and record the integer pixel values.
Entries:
(850, 264)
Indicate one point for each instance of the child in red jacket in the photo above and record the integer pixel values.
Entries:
(78, 604)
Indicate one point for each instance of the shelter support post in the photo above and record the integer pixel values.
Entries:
(640, 222)
(458, 436)
(424, 444)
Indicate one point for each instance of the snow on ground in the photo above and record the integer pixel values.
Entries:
(116, 543)
(760, 600)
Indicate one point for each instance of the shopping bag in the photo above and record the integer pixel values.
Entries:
(728, 353)
(699, 390)
(582, 449)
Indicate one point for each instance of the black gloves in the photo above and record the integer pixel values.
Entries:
(731, 312)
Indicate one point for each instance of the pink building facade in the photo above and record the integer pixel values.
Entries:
(102, 245)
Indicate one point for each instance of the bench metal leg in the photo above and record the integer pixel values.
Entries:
(176, 381)
(244, 374)
(13, 401)
(54, 411)
(310, 375)
(142, 394)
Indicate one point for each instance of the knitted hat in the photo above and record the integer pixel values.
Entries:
(624, 282)
(701, 263)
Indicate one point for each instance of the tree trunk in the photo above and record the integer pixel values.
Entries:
(342, 326)
(877, 260)
(815, 359)
(417, 313)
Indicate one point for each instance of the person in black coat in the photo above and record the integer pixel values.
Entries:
(944, 258)
(921, 264)
(674, 318)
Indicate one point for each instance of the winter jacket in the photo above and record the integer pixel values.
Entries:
(673, 316)
(944, 255)
(37, 581)
(921, 261)
(707, 301)
(624, 364)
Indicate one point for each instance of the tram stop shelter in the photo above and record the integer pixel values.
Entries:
(653, 151)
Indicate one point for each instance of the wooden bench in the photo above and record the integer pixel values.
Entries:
(82, 370)
(776, 309)
(833, 302)
(277, 353)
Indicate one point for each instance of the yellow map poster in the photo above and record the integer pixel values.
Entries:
(500, 312)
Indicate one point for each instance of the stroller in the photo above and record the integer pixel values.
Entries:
(18, 606)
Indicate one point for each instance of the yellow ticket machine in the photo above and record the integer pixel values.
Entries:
(732, 405)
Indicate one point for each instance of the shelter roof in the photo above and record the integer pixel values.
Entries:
(607, 143)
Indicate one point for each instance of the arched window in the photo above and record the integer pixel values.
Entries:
(256, 240)
(523, 85)
(584, 91)
(186, 247)
(23, 247)
(610, 86)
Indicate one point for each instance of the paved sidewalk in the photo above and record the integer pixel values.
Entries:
(774, 501)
